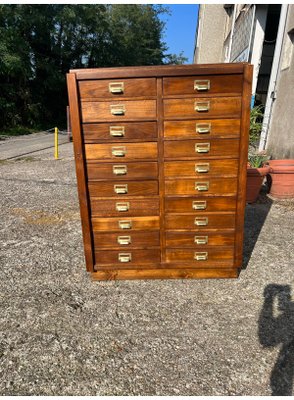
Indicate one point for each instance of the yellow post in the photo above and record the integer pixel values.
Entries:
(56, 143)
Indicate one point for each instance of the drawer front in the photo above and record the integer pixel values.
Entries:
(123, 240)
(203, 168)
(199, 204)
(200, 221)
(120, 132)
(210, 84)
(202, 128)
(202, 107)
(119, 110)
(127, 258)
(195, 240)
(126, 188)
(116, 88)
(125, 151)
(118, 207)
(127, 224)
(215, 186)
(201, 148)
(122, 171)
(200, 256)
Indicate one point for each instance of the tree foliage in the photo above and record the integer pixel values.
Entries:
(40, 43)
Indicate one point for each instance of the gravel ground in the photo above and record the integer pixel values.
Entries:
(62, 334)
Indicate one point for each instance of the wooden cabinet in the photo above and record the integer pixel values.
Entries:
(161, 155)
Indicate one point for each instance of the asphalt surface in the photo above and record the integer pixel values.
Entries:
(62, 334)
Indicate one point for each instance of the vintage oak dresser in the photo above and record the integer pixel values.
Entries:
(161, 155)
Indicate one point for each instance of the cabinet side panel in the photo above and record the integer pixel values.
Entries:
(241, 197)
(80, 169)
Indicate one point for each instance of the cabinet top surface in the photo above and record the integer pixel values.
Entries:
(159, 70)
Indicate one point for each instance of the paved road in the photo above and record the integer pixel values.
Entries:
(15, 147)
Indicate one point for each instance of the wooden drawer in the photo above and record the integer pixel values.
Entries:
(125, 241)
(121, 208)
(117, 88)
(202, 186)
(194, 240)
(122, 110)
(125, 151)
(174, 205)
(204, 256)
(127, 224)
(200, 221)
(206, 168)
(129, 188)
(122, 171)
(201, 129)
(120, 132)
(198, 149)
(209, 84)
(202, 107)
(127, 258)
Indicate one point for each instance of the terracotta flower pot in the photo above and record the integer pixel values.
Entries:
(282, 178)
(255, 177)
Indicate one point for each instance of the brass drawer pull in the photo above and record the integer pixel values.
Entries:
(202, 85)
(203, 128)
(125, 224)
(201, 221)
(122, 206)
(124, 240)
(199, 204)
(119, 151)
(200, 256)
(201, 186)
(119, 169)
(121, 189)
(124, 257)
(202, 168)
(117, 109)
(116, 87)
(201, 106)
(202, 147)
(201, 239)
(117, 131)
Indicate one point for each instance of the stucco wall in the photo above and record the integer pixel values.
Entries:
(281, 130)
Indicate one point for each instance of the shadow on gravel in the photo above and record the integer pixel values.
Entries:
(276, 327)
(255, 216)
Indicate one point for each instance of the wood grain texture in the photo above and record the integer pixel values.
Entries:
(135, 206)
(216, 186)
(215, 256)
(137, 224)
(223, 107)
(131, 170)
(190, 169)
(100, 111)
(187, 222)
(110, 257)
(143, 131)
(93, 89)
(143, 240)
(188, 239)
(132, 151)
(175, 205)
(223, 84)
(133, 188)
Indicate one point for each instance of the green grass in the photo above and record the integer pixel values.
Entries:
(18, 131)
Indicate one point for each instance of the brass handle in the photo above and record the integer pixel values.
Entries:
(124, 240)
(122, 206)
(117, 109)
(121, 189)
(124, 257)
(202, 168)
(201, 106)
(202, 85)
(119, 169)
(203, 128)
(201, 186)
(199, 204)
(202, 147)
(119, 151)
(201, 221)
(117, 131)
(200, 256)
(125, 224)
(200, 239)
(116, 87)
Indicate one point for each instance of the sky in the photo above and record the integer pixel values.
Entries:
(180, 29)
